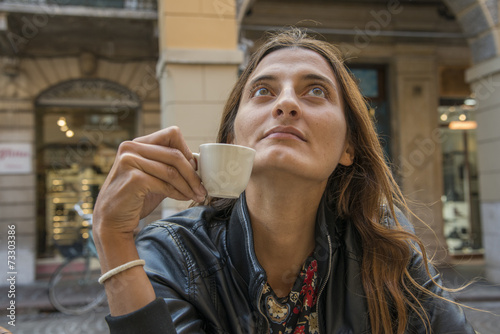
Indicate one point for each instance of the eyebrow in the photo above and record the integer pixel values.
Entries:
(264, 77)
(309, 76)
(323, 79)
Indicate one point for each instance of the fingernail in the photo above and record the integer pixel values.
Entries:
(202, 191)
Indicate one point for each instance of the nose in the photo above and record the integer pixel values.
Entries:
(287, 105)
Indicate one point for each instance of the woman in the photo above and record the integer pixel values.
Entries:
(315, 244)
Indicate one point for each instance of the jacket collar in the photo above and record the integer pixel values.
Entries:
(241, 248)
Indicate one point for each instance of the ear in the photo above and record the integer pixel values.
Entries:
(347, 157)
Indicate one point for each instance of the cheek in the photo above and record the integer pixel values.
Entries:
(333, 138)
(239, 129)
(244, 127)
(333, 128)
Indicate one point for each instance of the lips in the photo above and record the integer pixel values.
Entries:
(285, 132)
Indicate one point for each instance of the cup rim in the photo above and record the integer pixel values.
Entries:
(226, 144)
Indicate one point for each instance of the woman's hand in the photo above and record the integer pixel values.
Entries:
(146, 171)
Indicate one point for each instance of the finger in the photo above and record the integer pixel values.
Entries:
(134, 192)
(168, 156)
(166, 190)
(169, 137)
(173, 157)
(165, 173)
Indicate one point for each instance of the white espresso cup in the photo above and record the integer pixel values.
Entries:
(224, 169)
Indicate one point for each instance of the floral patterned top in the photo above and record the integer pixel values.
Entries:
(295, 313)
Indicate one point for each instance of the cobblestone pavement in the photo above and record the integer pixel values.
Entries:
(484, 322)
(480, 295)
(36, 315)
(58, 323)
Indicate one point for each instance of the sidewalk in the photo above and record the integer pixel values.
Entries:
(31, 298)
(34, 314)
(34, 298)
(480, 294)
(480, 290)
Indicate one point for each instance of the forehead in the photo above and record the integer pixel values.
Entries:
(294, 59)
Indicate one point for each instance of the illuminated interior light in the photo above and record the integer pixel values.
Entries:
(462, 117)
(465, 125)
(444, 117)
(470, 102)
(69, 133)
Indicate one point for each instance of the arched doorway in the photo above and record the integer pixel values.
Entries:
(479, 20)
(79, 125)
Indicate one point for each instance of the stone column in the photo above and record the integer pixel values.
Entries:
(485, 82)
(198, 65)
(419, 140)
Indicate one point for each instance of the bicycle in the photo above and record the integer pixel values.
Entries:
(73, 287)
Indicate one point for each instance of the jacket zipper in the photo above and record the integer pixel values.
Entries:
(326, 280)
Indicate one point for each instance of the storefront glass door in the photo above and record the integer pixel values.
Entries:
(78, 133)
(461, 214)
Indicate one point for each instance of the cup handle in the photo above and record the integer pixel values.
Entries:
(196, 157)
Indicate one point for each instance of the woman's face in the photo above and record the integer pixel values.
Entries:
(291, 113)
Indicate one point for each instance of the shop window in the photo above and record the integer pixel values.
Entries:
(80, 125)
(461, 214)
(372, 83)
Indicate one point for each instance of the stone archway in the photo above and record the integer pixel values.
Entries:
(479, 20)
(89, 92)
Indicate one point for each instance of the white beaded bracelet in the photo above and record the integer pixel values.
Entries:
(119, 269)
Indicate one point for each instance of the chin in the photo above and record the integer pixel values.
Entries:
(281, 163)
(279, 154)
(291, 161)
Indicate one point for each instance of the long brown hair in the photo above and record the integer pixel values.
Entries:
(358, 192)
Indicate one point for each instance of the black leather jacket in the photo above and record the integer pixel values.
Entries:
(208, 280)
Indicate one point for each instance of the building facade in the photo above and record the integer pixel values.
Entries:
(78, 77)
